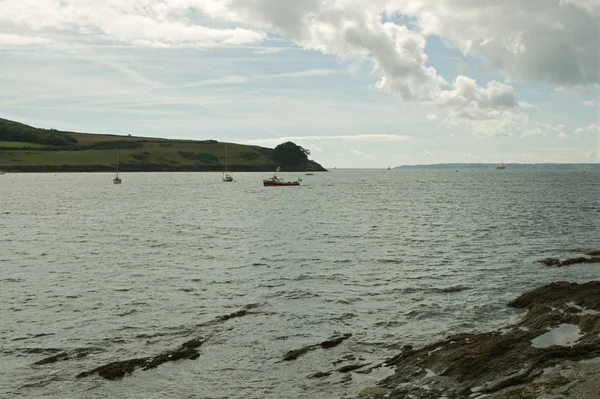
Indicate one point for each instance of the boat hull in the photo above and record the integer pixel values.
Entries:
(275, 184)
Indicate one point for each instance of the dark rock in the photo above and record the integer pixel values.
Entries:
(334, 341)
(53, 359)
(330, 343)
(233, 315)
(501, 364)
(320, 374)
(296, 353)
(594, 257)
(119, 369)
(350, 367)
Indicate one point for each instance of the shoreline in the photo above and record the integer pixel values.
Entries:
(133, 169)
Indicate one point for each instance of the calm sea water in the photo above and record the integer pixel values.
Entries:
(394, 258)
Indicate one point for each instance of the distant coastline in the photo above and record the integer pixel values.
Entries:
(509, 166)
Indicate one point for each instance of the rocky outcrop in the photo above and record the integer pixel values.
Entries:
(330, 343)
(541, 355)
(119, 369)
(592, 257)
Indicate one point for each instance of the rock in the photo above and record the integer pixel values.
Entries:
(330, 343)
(334, 341)
(504, 364)
(53, 358)
(233, 315)
(119, 369)
(320, 374)
(296, 353)
(374, 393)
(592, 257)
(350, 367)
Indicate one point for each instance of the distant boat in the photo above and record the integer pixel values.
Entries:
(501, 166)
(117, 179)
(226, 176)
(276, 181)
(388, 168)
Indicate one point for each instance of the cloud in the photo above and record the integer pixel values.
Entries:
(590, 129)
(12, 40)
(553, 41)
(431, 117)
(466, 93)
(237, 79)
(590, 103)
(154, 23)
(577, 90)
(535, 132)
(563, 136)
(351, 138)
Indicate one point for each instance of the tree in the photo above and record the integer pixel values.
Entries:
(289, 154)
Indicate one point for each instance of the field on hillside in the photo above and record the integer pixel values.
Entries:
(156, 155)
(20, 144)
(26, 148)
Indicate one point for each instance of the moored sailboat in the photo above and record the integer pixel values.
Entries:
(227, 177)
(117, 179)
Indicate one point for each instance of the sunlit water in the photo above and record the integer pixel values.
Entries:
(394, 258)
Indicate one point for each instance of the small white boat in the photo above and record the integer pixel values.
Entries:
(227, 177)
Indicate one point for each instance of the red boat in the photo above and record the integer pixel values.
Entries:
(275, 181)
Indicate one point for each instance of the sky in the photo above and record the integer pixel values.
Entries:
(360, 83)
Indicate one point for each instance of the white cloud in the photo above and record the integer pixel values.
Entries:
(563, 136)
(577, 90)
(152, 23)
(486, 123)
(590, 103)
(466, 93)
(431, 117)
(551, 41)
(12, 40)
(590, 129)
(535, 132)
(237, 79)
(357, 137)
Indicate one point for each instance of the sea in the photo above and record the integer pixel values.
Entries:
(114, 272)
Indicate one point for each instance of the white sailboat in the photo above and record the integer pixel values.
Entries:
(227, 177)
(117, 179)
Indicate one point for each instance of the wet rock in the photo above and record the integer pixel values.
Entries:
(77, 353)
(504, 364)
(233, 315)
(320, 374)
(374, 393)
(351, 367)
(334, 341)
(119, 369)
(593, 256)
(345, 359)
(330, 343)
(296, 353)
(52, 359)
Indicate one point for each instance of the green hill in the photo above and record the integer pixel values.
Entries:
(25, 148)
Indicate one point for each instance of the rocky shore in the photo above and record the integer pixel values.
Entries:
(553, 352)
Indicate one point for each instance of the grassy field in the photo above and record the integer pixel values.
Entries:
(97, 152)
(20, 144)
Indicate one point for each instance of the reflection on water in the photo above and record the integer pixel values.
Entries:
(109, 272)
(562, 335)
